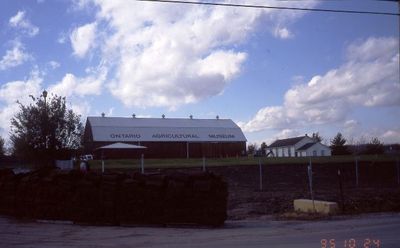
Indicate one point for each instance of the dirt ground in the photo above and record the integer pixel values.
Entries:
(378, 189)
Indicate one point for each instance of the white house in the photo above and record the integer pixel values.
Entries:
(303, 146)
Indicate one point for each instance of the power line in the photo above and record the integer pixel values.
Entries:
(273, 7)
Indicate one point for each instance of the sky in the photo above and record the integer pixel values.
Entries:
(276, 73)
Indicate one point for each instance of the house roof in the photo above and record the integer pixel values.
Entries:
(129, 129)
(286, 142)
(306, 146)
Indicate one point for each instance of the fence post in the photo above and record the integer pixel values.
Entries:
(260, 171)
(142, 163)
(309, 172)
(102, 161)
(398, 171)
(341, 190)
(356, 171)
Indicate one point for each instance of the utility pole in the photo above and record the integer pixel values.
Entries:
(46, 146)
(45, 115)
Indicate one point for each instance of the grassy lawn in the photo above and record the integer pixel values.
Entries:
(198, 162)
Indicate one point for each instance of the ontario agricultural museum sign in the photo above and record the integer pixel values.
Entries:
(167, 136)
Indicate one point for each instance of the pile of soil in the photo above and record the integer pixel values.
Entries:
(115, 198)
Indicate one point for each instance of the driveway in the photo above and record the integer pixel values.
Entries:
(377, 230)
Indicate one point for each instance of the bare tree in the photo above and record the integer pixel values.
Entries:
(2, 147)
(317, 137)
(375, 146)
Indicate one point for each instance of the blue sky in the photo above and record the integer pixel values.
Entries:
(277, 73)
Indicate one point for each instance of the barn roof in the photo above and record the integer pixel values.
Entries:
(286, 142)
(120, 129)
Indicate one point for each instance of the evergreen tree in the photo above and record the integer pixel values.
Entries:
(338, 145)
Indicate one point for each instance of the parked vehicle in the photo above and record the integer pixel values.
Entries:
(86, 157)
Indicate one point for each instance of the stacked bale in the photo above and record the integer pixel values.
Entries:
(46, 198)
(25, 195)
(197, 198)
(130, 203)
(8, 191)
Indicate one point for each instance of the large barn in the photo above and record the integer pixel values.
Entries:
(165, 137)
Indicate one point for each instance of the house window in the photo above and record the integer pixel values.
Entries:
(314, 153)
(289, 152)
(296, 154)
(322, 152)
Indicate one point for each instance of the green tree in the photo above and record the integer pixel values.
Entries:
(45, 130)
(251, 148)
(263, 148)
(338, 145)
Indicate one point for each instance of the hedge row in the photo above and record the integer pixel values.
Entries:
(115, 198)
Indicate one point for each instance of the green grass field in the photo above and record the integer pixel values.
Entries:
(198, 162)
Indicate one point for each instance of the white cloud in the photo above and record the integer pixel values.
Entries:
(82, 39)
(73, 86)
(10, 92)
(287, 133)
(167, 55)
(14, 57)
(19, 21)
(81, 108)
(62, 37)
(282, 33)
(76, 89)
(110, 111)
(391, 136)
(368, 78)
(351, 125)
(54, 64)
(267, 118)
